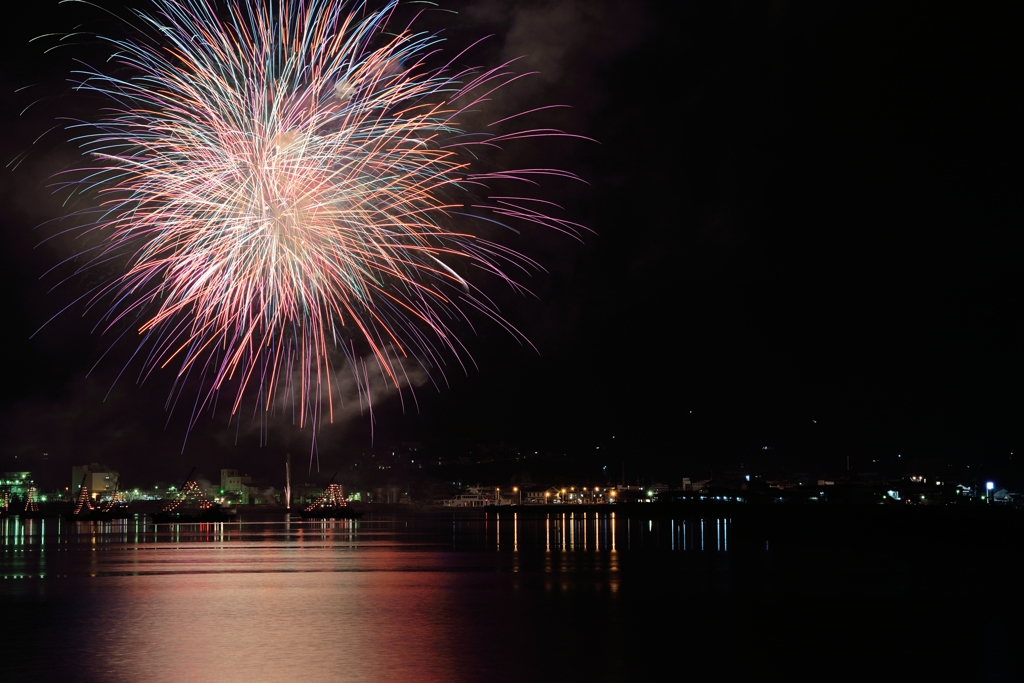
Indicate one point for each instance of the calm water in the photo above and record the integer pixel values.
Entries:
(498, 597)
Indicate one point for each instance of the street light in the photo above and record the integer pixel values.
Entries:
(988, 487)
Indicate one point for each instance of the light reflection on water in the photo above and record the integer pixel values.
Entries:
(422, 598)
(497, 532)
(412, 598)
(468, 596)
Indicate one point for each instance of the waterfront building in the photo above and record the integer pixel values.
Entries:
(533, 495)
(303, 494)
(241, 489)
(390, 494)
(15, 485)
(232, 482)
(99, 479)
(478, 496)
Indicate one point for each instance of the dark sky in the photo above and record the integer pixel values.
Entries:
(806, 230)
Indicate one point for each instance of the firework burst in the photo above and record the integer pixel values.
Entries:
(290, 188)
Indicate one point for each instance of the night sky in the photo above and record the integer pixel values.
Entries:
(806, 238)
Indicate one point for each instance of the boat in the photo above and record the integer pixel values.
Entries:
(110, 511)
(330, 505)
(214, 513)
(191, 506)
(32, 510)
(114, 508)
(85, 511)
(83, 506)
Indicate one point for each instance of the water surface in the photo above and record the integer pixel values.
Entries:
(474, 597)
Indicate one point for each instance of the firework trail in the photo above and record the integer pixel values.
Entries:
(290, 182)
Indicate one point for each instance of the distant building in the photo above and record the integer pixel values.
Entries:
(389, 494)
(534, 495)
(242, 489)
(100, 479)
(306, 493)
(478, 496)
(15, 484)
(232, 482)
(1002, 496)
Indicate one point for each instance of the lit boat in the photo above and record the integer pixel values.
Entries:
(32, 510)
(115, 508)
(214, 513)
(85, 511)
(330, 505)
(191, 506)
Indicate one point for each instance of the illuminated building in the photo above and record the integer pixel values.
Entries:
(99, 479)
(15, 484)
(242, 489)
